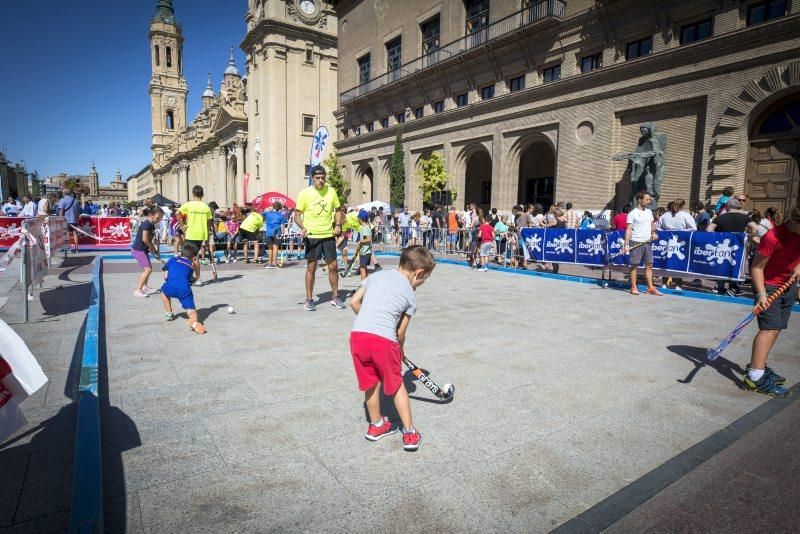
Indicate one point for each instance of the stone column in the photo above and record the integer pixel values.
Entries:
(501, 188)
(220, 178)
(183, 180)
(239, 184)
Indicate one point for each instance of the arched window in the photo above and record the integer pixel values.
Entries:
(179, 61)
(170, 118)
(158, 56)
(169, 57)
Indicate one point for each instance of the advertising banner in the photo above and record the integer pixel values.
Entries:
(706, 254)
(104, 230)
(55, 235)
(10, 228)
(38, 255)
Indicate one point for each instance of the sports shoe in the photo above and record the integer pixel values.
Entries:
(149, 290)
(377, 268)
(778, 379)
(338, 302)
(169, 316)
(374, 433)
(634, 290)
(198, 283)
(411, 440)
(140, 294)
(226, 259)
(655, 292)
(269, 266)
(766, 386)
(310, 306)
(678, 289)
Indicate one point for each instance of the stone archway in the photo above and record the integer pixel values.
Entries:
(773, 177)
(363, 188)
(478, 180)
(536, 182)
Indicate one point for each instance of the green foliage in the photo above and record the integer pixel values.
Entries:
(432, 175)
(79, 189)
(335, 177)
(397, 172)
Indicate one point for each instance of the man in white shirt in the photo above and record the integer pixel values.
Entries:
(641, 228)
(404, 222)
(28, 207)
(11, 208)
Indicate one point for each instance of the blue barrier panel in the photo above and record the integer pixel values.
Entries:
(87, 486)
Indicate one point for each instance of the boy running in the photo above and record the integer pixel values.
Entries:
(178, 285)
(384, 305)
(777, 261)
(198, 220)
(141, 248)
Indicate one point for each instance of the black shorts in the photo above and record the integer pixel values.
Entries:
(364, 259)
(317, 249)
(776, 317)
(248, 236)
(198, 244)
(273, 241)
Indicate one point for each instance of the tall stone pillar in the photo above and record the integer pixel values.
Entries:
(183, 180)
(239, 185)
(221, 179)
(501, 188)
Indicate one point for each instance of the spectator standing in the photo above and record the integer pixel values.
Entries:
(621, 219)
(675, 219)
(486, 237)
(587, 221)
(571, 217)
(28, 207)
(453, 226)
(46, 204)
(640, 229)
(274, 221)
(772, 215)
(701, 216)
(720, 207)
(404, 222)
(501, 235)
(69, 208)
(537, 217)
(493, 217)
(734, 219)
(11, 208)
(425, 229)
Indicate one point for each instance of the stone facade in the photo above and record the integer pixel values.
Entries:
(116, 191)
(141, 185)
(533, 104)
(249, 136)
(15, 179)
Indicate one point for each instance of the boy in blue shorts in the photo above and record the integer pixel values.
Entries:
(180, 273)
(384, 305)
(364, 243)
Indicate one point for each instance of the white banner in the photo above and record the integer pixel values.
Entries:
(38, 256)
(318, 144)
(55, 235)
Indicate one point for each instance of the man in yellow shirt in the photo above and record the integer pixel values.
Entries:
(319, 216)
(198, 218)
(248, 233)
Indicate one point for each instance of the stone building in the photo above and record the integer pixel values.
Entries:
(528, 100)
(141, 185)
(254, 134)
(16, 180)
(116, 191)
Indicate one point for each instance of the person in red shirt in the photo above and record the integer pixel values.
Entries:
(621, 219)
(777, 261)
(486, 232)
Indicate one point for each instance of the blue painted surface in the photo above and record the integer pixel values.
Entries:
(87, 487)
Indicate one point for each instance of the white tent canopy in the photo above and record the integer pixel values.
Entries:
(377, 204)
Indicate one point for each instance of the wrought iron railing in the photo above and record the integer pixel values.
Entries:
(535, 12)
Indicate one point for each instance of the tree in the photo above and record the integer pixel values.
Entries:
(79, 189)
(433, 177)
(397, 172)
(335, 177)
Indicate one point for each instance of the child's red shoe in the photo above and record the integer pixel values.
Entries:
(374, 433)
(411, 440)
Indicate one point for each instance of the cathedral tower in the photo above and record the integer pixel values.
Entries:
(168, 88)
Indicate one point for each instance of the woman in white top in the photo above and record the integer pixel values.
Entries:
(675, 219)
(45, 204)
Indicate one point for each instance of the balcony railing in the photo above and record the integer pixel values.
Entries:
(530, 15)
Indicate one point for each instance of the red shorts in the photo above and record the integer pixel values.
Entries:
(376, 359)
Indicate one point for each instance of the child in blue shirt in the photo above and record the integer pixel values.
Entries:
(180, 273)
(274, 222)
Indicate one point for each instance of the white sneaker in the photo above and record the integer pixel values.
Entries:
(198, 283)
(678, 289)
(140, 294)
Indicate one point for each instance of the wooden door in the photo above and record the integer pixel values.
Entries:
(772, 177)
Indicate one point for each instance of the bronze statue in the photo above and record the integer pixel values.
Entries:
(646, 163)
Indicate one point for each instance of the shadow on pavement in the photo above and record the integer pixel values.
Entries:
(65, 299)
(73, 264)
(697, 355)
(228, 278)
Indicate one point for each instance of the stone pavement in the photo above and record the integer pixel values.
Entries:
(36, 463)
(567, 394)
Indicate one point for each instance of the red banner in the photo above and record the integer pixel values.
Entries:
(9, 230)
(104, 230)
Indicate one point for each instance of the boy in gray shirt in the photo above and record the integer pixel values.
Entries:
(384, 305)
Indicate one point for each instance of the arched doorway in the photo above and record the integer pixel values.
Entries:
(478, 180)
(366, 186)
(773, 177)
(537, 171)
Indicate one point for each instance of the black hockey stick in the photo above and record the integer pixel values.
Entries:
(444, 393)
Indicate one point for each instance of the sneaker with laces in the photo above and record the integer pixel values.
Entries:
(634, 290)
(411, 440)
(140, 294)
(778, 379)
(338, 302)
(310, 306)
(655, 292)
(149, 290)
(766, 386)
(374, 433)
(169, 316)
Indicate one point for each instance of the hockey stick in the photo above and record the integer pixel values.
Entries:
(444, 393)
(349, 269)
(713, 354)
(618, 254)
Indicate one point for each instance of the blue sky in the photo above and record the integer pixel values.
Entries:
(76, 73)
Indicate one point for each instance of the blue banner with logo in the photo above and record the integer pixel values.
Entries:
(708, 254)
(559, 245)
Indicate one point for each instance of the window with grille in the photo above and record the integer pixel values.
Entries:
(478, 21)
(394, 50)
(363, 69)
(430, 41)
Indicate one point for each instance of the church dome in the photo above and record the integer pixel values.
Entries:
(209, 92)
(231, 69)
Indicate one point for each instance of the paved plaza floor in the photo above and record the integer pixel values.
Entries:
(568, 396)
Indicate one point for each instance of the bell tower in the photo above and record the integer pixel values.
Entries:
(168, 88)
